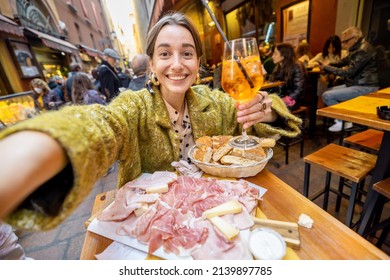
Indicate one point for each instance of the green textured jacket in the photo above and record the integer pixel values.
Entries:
(135, 130)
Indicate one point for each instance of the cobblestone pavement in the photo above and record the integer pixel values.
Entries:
(65, 242)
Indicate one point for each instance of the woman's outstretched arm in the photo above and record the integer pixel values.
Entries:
(27, 160)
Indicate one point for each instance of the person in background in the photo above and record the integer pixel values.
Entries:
(58, 86)
(303, 53)
(95, 80)
(73, 68)
(107, 76)
(123, 77)
(332, 52)
(44, 97)
(265, 51)
(290, 71)
(84, 92)
(145, 131)
(140, 66)
(358, 69)
(269, 64)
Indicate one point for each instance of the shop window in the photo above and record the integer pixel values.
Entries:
(252, 19)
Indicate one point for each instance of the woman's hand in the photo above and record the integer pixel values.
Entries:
(258, 109)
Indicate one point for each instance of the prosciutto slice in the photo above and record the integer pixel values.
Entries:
(174, 220)
(158, 178)
(126, 201)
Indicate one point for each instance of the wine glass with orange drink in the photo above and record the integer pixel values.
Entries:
(242, 77)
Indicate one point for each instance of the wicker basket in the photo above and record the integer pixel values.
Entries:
(236, 171)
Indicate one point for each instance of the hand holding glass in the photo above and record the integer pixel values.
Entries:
(242, 77)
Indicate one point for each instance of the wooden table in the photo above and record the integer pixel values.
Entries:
(271, 85)
(328, 239)
(362, 110)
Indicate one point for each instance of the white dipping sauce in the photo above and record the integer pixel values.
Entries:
(267, 244)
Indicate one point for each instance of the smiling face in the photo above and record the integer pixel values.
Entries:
(175, 61)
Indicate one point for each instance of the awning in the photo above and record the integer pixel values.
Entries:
(53, 42)
(9, 26)
(90, 51)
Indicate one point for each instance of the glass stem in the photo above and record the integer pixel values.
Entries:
(244, 135)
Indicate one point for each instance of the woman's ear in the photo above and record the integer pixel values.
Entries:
(151, 66)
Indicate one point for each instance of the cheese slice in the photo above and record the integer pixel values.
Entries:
(158, 189)
(229, 207)
(227, 229)
(139, 211)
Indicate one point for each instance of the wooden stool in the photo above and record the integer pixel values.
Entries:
(345, 162)
(288, 142)
(383, 187)
(368, 140)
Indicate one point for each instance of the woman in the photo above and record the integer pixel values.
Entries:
(44, 97)
(83, 91)
(303, 53)
(145, 131)
(290, 71)
(331, 52)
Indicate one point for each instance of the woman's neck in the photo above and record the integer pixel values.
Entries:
(176, 101)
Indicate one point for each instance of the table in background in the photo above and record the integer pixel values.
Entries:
(272, 85)
(328, 239)
(362, 110)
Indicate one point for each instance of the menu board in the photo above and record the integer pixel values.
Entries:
(295, 22)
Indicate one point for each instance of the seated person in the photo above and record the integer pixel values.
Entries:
(358, 69)
(303, 53)
(145, 131)
(290, 71)
(331, 53)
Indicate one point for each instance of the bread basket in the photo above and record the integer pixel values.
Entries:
(236, 171)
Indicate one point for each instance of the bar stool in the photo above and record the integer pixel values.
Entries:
(288, 142)
(383, 188)
(342, 161)
(369, 140)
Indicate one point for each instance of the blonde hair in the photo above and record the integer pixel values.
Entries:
(38, 83)
(354, 31)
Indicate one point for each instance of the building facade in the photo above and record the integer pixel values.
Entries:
(41, 38)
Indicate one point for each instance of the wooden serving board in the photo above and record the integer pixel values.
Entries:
(288, 230)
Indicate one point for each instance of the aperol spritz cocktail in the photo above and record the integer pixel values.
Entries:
(242, 77)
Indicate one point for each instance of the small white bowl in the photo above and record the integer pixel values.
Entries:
(267, 244)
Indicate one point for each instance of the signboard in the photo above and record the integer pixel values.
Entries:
(295, 22)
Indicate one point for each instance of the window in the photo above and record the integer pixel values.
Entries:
(85, 11)
(78, 32)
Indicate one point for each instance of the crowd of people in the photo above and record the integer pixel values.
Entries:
(100, 85)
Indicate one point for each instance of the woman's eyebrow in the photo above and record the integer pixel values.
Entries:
(185, 45)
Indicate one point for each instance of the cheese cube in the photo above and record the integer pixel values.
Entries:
(228, 230)
(139, 211)
(158, 189)
(230, 207)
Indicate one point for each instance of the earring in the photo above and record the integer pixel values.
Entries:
(154, 80)
(198, 80)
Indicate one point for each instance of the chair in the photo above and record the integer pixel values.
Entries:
(345, 162)
(288, 142)
(368, 140)
(383, 188)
